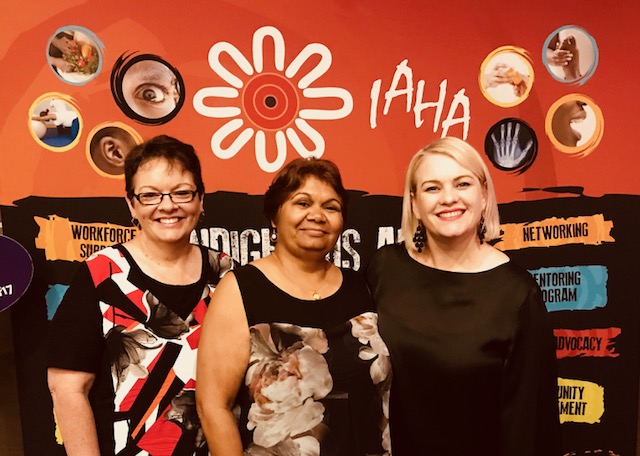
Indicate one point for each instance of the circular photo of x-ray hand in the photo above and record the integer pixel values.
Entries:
(511, 145)
(147, 88)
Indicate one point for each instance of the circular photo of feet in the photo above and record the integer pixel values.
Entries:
(108, 145)
(55, 122)
(511, 145)
(575, 125)
(570, 54)
(506, 76)
(147, 88)
(75, 55)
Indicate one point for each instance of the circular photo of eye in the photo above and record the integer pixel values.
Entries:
(75, 55)
(511, 145)
(575, 125)
(147, 88)
(570, 54)
(506, 76)
(108, 145)
(55, 122)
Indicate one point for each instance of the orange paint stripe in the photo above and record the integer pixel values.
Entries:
(154, 404)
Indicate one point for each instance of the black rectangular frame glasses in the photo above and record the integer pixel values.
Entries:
(155, 198)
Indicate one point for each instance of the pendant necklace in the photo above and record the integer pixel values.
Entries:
(314, 292)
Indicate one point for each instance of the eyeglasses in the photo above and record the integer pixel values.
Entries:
(154, 198)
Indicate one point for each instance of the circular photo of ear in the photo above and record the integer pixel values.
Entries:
(108, 145)
(575, 125)
(506, 76)
(147, 88)
(55, 122)
(75, 55)
(570, 54)
(511, 145)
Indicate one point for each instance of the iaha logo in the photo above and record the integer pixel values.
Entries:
(268, 104)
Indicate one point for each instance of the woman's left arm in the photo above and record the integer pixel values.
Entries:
(530, 423)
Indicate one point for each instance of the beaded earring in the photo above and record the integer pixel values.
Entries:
(419, 237)
(482, 230)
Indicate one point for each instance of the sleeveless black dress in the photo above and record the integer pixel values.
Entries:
(318, 371)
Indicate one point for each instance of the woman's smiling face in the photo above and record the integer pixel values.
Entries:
(166, 221)
(449, 198)
(150, 89)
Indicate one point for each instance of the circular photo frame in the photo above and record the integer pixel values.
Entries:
(55, 122)
(570, 54)
(506, 76)
(147, 88)
(75, 54)
(511, 145)
(108, 144)
(16, 271)
(575, 125)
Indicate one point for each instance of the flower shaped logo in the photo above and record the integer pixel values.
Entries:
(269, 104)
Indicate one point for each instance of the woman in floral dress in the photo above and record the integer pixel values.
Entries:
(290, 360)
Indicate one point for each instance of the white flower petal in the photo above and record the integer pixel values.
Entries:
(308, 446)
(327, 114)
(320, 69)
(312, 134)
(258, 46)
(238, 58)
(261, 152)
(366, 353)
(216, 112)
(222, 133)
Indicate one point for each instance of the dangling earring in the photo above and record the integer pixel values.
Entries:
(419, 237)
(135, 222)
(482, 230)
(202, 215)
(273, 236)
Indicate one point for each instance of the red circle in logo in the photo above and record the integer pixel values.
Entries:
(270, 101)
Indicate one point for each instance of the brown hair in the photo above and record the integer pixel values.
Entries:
(174, 151)
(292, 177)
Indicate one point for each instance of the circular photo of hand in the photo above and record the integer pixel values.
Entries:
(108, 145)
(511, 145)
(570, 54)
(147, 88)
(75, 55)
(55, 122)
(575, 125)
(506, 76)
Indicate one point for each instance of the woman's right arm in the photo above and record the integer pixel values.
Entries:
(70, 393)
(223, 356)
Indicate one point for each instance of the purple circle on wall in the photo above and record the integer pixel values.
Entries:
(16, 271)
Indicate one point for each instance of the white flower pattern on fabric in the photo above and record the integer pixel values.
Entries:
(285, 382)
(365, 328)
(269, 101)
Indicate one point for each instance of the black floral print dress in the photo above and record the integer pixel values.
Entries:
(319, 373)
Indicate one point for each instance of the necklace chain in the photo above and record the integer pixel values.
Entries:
(314, 292)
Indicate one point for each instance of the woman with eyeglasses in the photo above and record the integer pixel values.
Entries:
(123, 343)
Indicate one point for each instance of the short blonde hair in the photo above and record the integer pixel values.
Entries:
(467, 157)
